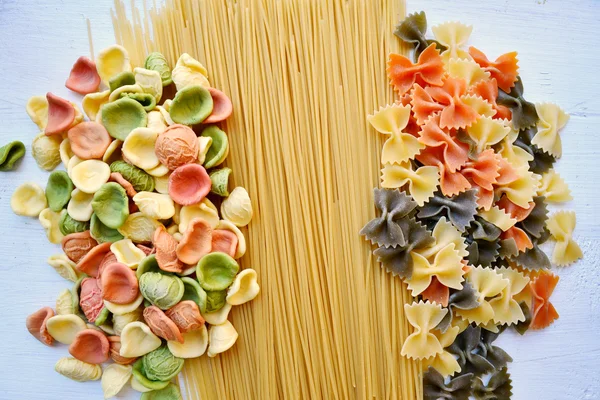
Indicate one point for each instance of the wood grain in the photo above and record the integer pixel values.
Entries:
(558, 58)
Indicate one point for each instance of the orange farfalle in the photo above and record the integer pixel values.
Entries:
(455, 152)
(451, 183)
(437, 292)
(429, 70)
(455, 113)
(521, 238)
(507, 173)
(516, 212)
(488, 90)
(483, 174)
(505, 69)
(483, 171)
(544, 312)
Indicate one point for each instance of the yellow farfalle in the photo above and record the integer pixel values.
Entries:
(421, 182)
(446, 266)
(468, 70)
(521, 190)
(516, 156)
(422, 343)
(444, 362)
(561, 226)
(444, 233)
(554, 188)
(391, 120)
(486, 132)
(506, 308)
(481, 106)
(454, 36)
(488, 283)
(551, 120)
(498, 217)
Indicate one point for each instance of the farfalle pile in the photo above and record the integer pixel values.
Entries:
(467, 172)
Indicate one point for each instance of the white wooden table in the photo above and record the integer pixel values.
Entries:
(559, 56)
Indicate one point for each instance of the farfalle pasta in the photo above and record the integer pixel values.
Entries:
(463, 214)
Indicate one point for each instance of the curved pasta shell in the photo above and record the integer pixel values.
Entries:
(194, 344)
(122, 309)
(112, 61)
(138, 147)
(188, 72)
(244, 288)
(89, 175)
(149, 81)
(221, 338)
(137, 340)
(46, 151)
(127, 253)
(37, 109)
(237, 208)
(28, 200)
(64, 267)
(218, 317)
(78, 370)
(241, 243)
(114, 378)
(50, 221)
(92, 102)
(155, 205)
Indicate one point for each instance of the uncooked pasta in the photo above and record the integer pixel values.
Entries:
(329, 322)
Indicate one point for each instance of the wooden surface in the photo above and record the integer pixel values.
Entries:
(559, 57)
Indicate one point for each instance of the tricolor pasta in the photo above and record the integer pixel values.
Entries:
(465, 236)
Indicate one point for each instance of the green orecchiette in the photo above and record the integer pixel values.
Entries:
(157, 62)
(191, 105)
(170, 392)
(68, 225)
(122, 79)
(216, 271)
(122, 116)
(145, 99)
(10, 154)
(103, 233)
(219, 149)
(139, 179)
(111, 205)
(164, 291)
(220, 181)
(194, 292)
(58, 190)
(161, 364)
(215, 300)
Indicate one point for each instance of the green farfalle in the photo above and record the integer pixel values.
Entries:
(10, 154)
(191, 105)
(147, 100)
(389, 227)
(435, 388)
(215, 300)
(216, 271)
(463, 299)
(524, 114)
(460, 209)
(541, 161)
(122, 116)
(398, 260)
(123, 79)
(140, 374)
(157, 62)
(68, 225)
(171, 392)
(164, 291)
(161, 364)
(111, 205)
(139, 179)
(499, 387)
(103, 233)
(220, 181)
(194, 292)
(58, 190)
(219, 148)
(412, 30)
(483, 242)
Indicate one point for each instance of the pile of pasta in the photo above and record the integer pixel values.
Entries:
(150, 232)
(466, 178)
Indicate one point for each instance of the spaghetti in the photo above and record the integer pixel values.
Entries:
(330, 322)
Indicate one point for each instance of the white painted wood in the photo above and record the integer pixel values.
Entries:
(556, 40)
